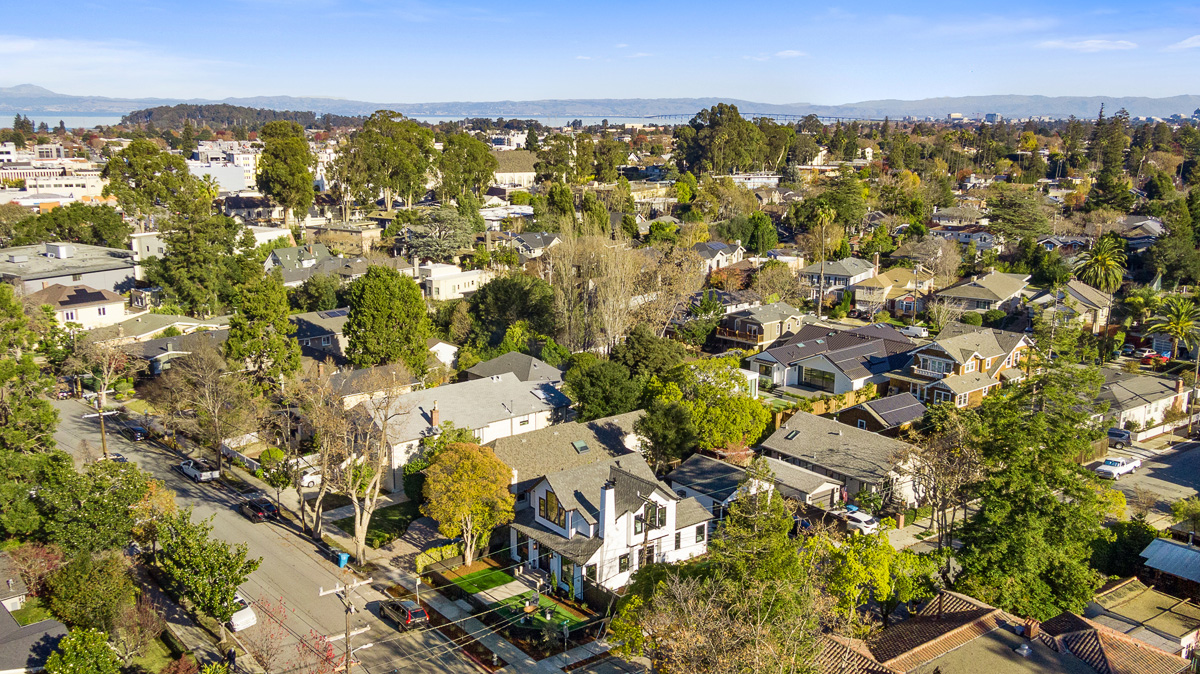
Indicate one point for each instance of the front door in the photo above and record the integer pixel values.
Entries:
(544, 560)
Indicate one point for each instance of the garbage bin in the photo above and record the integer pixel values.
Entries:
(343, 558)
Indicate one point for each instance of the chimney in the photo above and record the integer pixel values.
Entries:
(1032, 628)
(1179, 386)
(608, 506)
(876, 263)
(435, 417)
(974, 278)
(321, 368)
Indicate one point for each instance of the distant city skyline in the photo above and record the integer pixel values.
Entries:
(410, 52)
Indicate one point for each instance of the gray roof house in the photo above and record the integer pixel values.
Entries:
(714, 483)
(832, 359)
(1078, 301)
(1140, 399)
(296, 258)
(888, 415)
(42, 265)
(523, 365)
(602, 521)
(716, 255)
(993, 290)
(858, 458)
(492, 408)
(560, 447)
(22, 648)
(1173, 565)
(838, 275)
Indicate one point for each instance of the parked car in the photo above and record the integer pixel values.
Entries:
(1155, 359)
(136, 433)
(1116, 467)
(857, 520)
(199, 470)
(1144, 351)
(853, 313)
(311, 477)
(1119, 438)
(914, 331)
(1128, 350)
(243, 615)
(259, 510)
(405, 612)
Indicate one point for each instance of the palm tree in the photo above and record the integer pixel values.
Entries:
(1179, 319)
(1103, 268)
(1142, 303)
(825, 217)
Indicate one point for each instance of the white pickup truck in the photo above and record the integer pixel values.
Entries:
(1116, 467)
(199, 470)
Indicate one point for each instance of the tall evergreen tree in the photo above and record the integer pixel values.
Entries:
(285, 167)
(388, 322)
(260, 333)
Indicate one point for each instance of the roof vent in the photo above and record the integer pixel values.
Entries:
(1023, 650)
(18, 258)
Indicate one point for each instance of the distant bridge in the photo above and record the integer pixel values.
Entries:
(685, 118)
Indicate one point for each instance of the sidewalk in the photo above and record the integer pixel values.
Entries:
(385, 500)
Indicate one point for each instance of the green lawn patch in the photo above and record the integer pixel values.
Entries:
(515, 605)
(157, 656)
(387, 524)
(482, 580)
(31, 612)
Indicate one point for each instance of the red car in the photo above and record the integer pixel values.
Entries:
(1155, 360)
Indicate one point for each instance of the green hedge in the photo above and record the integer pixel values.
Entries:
(434, 555)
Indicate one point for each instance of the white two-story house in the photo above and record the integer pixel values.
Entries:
(838, 275)
(599, 523)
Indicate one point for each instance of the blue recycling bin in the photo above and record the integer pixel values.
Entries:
(343, 558)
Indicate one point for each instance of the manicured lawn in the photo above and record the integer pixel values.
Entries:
(393, 519)
(482, 580)
(514, 605)
(32, 612)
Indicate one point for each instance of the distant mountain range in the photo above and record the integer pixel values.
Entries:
(38, 101)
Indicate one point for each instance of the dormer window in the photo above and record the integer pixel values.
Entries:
(550, 509)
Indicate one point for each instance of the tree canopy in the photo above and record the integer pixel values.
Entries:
(388, 322)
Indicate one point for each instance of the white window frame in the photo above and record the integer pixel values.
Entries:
(969, 366)
(961, 400)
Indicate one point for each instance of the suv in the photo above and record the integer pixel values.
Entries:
(1119, 438)
(405, 612)
(259, 510)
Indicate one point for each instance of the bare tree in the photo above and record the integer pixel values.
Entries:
(570, 284)
(223, 404)
(369, 454)
(107, 363)
(943, 464)
(266, 641)
(670, 275)
(137, 625)
(616, 275)
(323, 409)
(943, 311)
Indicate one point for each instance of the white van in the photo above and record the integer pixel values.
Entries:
(243, 616)
(914, 331)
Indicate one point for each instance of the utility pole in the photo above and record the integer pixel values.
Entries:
(346, 594)
(103, 433)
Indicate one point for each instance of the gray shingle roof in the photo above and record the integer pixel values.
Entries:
(719, 480)
(847, 450)
(577, 548)
(472, 404)
(524, 366)
(293, 258)
(995, 286)
(850, 266)
(539, 453)
(579, 488)
(963, 341)
(320, 323)
(689, 513)
(971, 381)
(1124, 391)
(767, 313)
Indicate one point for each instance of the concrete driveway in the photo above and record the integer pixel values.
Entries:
(292, 568)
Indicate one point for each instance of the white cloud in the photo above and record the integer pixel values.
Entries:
(118, 68)
(583, 58)
(1192, 42)
(788, 54)
(1089, 46)
(760, 57)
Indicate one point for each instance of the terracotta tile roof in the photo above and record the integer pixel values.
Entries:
(841, 656)
(925, 636)
(1106, 650)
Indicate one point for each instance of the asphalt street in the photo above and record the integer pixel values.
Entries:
(292, 568)
(1171, 474)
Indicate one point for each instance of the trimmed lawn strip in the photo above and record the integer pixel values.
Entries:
(481, 581)
(32, 612)
(392, 520)
(514, 605)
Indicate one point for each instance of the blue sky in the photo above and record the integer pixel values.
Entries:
(776, 52)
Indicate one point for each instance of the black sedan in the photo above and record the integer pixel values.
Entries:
(259, 510)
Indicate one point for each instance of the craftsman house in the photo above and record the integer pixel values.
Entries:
(819, 357)
(900, 291)
(962, 365)
(757, 326)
